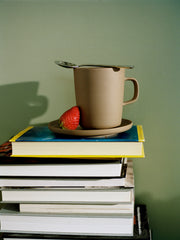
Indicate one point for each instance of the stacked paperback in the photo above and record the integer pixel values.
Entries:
(59, 187)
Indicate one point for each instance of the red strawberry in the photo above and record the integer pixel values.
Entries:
(70, 119)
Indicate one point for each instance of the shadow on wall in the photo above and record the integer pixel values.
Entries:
(163, 217)
(19, 104)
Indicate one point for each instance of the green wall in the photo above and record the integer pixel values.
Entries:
(145, 33)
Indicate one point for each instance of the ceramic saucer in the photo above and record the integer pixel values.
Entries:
(125, 125)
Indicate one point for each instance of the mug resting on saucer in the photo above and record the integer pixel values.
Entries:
(100, 96)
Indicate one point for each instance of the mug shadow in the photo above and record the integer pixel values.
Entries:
(19, 104)
(163, 216)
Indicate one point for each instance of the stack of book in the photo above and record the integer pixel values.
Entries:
(61, 187)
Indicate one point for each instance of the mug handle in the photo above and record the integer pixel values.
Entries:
(136, 91)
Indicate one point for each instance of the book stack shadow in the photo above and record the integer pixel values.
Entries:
(62, 187)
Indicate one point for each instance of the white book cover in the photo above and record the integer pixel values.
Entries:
(69, 195)
(119, 209)
(127, 181)
(66, 224)
(107, 168)
(116, 209)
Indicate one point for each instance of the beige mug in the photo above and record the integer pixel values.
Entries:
(100, 96)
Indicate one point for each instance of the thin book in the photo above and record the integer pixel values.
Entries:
(117, 209)
(67, 195)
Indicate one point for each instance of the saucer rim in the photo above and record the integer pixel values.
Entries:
(125, 125)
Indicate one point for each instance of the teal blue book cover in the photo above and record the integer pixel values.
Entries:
(44, 134)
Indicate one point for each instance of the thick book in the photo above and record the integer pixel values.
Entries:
(141, 231)
(40, 141)
(126, 180)
(56, 167)
(106, 209)
(102, 225)
(67, 195)
(75, 168)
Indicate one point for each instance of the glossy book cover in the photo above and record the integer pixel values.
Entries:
(44, 134)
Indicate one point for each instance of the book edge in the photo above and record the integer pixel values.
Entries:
(140, 133)
(13, 139)
(142, 155)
